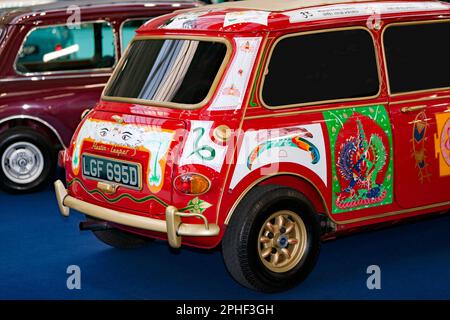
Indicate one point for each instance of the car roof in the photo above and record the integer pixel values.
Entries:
(279, 6)
(269, 15)
(27, 13)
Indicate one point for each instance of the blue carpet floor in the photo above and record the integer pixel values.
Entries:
(37, 245)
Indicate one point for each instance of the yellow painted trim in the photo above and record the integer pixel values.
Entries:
(419, 100)
(261, 179)
(174, 105)
(350, 221)
(395, 213)
(290, 35)
(245, 104)
(290, 113)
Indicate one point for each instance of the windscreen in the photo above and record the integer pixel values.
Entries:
(168, 70)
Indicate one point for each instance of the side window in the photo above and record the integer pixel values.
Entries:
(417, 56)
(128, 29)
(60, 48)
(318, 67)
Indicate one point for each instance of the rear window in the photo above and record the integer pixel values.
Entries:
(319, 67)
(168, 71)
(64, 48)
(418, 56)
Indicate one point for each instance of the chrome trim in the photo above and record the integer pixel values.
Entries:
(31, 74)
(55, 77)
(48, 125)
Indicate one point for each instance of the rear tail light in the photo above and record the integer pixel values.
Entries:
(192, 183)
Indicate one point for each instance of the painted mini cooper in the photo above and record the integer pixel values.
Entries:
(268, 127)
(55, 60)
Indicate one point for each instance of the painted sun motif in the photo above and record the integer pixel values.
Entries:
(442, 142)
(445, 142)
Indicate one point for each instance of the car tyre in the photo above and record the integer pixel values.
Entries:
(28, 160)
(275, 257)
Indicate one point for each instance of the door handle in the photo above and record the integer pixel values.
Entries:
(412, 109)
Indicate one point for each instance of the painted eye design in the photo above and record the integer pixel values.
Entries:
(104, 132)
(126, 136)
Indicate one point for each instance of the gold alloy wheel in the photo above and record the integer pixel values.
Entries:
(282, 241)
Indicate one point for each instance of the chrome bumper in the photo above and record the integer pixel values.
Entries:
(172, 226)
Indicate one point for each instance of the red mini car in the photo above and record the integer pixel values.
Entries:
(54, 62)
(267, 127)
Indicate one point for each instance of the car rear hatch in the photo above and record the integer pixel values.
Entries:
(125, 160)
(136, 128)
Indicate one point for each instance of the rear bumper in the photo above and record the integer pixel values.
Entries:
(172, 226)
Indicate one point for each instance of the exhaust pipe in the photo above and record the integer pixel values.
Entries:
(94, 226)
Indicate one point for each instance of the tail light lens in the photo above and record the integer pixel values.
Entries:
(192, 183)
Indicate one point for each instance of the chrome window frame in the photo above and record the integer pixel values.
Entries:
(124, 48)
(62, 72)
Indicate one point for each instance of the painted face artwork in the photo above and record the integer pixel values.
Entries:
(442, 142)
(362, 157)
(147, 138)
(419, 144)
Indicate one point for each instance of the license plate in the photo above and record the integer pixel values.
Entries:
(124, 173)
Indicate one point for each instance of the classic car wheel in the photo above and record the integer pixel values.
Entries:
(27, 160)
(120, 239)
(273, 239)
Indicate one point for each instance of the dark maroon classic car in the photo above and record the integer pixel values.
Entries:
(54, 62)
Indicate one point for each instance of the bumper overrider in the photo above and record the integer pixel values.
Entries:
(172, 226)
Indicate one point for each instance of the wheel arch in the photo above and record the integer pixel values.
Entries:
(35, 123)
(292, 180)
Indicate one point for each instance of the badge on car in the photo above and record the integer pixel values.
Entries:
(124, 173)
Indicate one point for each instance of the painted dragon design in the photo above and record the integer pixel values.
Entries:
(359, 163)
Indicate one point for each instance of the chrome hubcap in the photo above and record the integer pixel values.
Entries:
(22, 162)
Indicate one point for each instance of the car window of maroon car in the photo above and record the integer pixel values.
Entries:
(161, 70)
(62, 48)
(127, 31)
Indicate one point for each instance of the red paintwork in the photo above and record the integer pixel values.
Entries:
(408, 193)
(60, 98)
